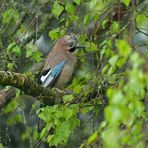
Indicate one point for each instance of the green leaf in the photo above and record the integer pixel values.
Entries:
(86, 19)
(62, 119)
(13, 119)
(87, 109)
(113, 60)
(104, 23)
(110, 137)
(126, 2)
(70, 8)
(115, 27)
(68, 98)
(136, 83)
(123, 48)
(141, 19)
(62, 133)
(14, 48)
(11, 46)
(11, 106)
(91, 46)
(116, 97)
(139, 107)
(77, 2)
(73, 18)
(77, 89)
(1, 145)
(46, 113)
(29, 52)
(121, 61)
(92, 138)
(17, 51)
(111, 70)
(68, 113)
(45, 130)
(136, 60)
(37, 56)
(9, 14)
(56, 33)
(49, 138)
(11, 66)
(57, 9)
(93, 4)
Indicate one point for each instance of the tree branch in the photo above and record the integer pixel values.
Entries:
(27, 85)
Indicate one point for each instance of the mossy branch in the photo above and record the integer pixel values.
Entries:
(30, 87)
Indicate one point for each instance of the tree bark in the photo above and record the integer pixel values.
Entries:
(28, 86)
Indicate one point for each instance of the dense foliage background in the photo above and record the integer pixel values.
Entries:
(106, 103)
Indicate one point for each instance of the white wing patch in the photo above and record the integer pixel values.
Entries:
(46, 80)
(52, 74)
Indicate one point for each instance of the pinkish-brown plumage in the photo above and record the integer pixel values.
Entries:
(62, 50)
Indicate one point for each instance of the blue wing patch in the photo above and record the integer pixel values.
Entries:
(57, 69)
(52, 74)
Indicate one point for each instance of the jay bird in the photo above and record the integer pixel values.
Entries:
(60, 62)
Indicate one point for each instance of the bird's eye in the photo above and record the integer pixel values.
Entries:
(70, 44)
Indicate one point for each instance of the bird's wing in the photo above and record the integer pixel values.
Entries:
(50, 75)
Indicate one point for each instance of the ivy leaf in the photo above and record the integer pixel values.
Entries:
(57, 9)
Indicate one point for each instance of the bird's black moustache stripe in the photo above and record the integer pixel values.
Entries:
(72, 49)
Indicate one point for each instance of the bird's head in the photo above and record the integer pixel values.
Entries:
(68, 42)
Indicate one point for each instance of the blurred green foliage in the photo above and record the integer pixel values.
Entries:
(105, 105)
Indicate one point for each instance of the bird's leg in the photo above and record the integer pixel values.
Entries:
(59, 90)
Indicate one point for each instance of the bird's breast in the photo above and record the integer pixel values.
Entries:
(66, 73)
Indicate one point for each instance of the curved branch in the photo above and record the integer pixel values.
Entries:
(27, 85)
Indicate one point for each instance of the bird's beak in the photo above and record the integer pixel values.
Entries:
(80, 46)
